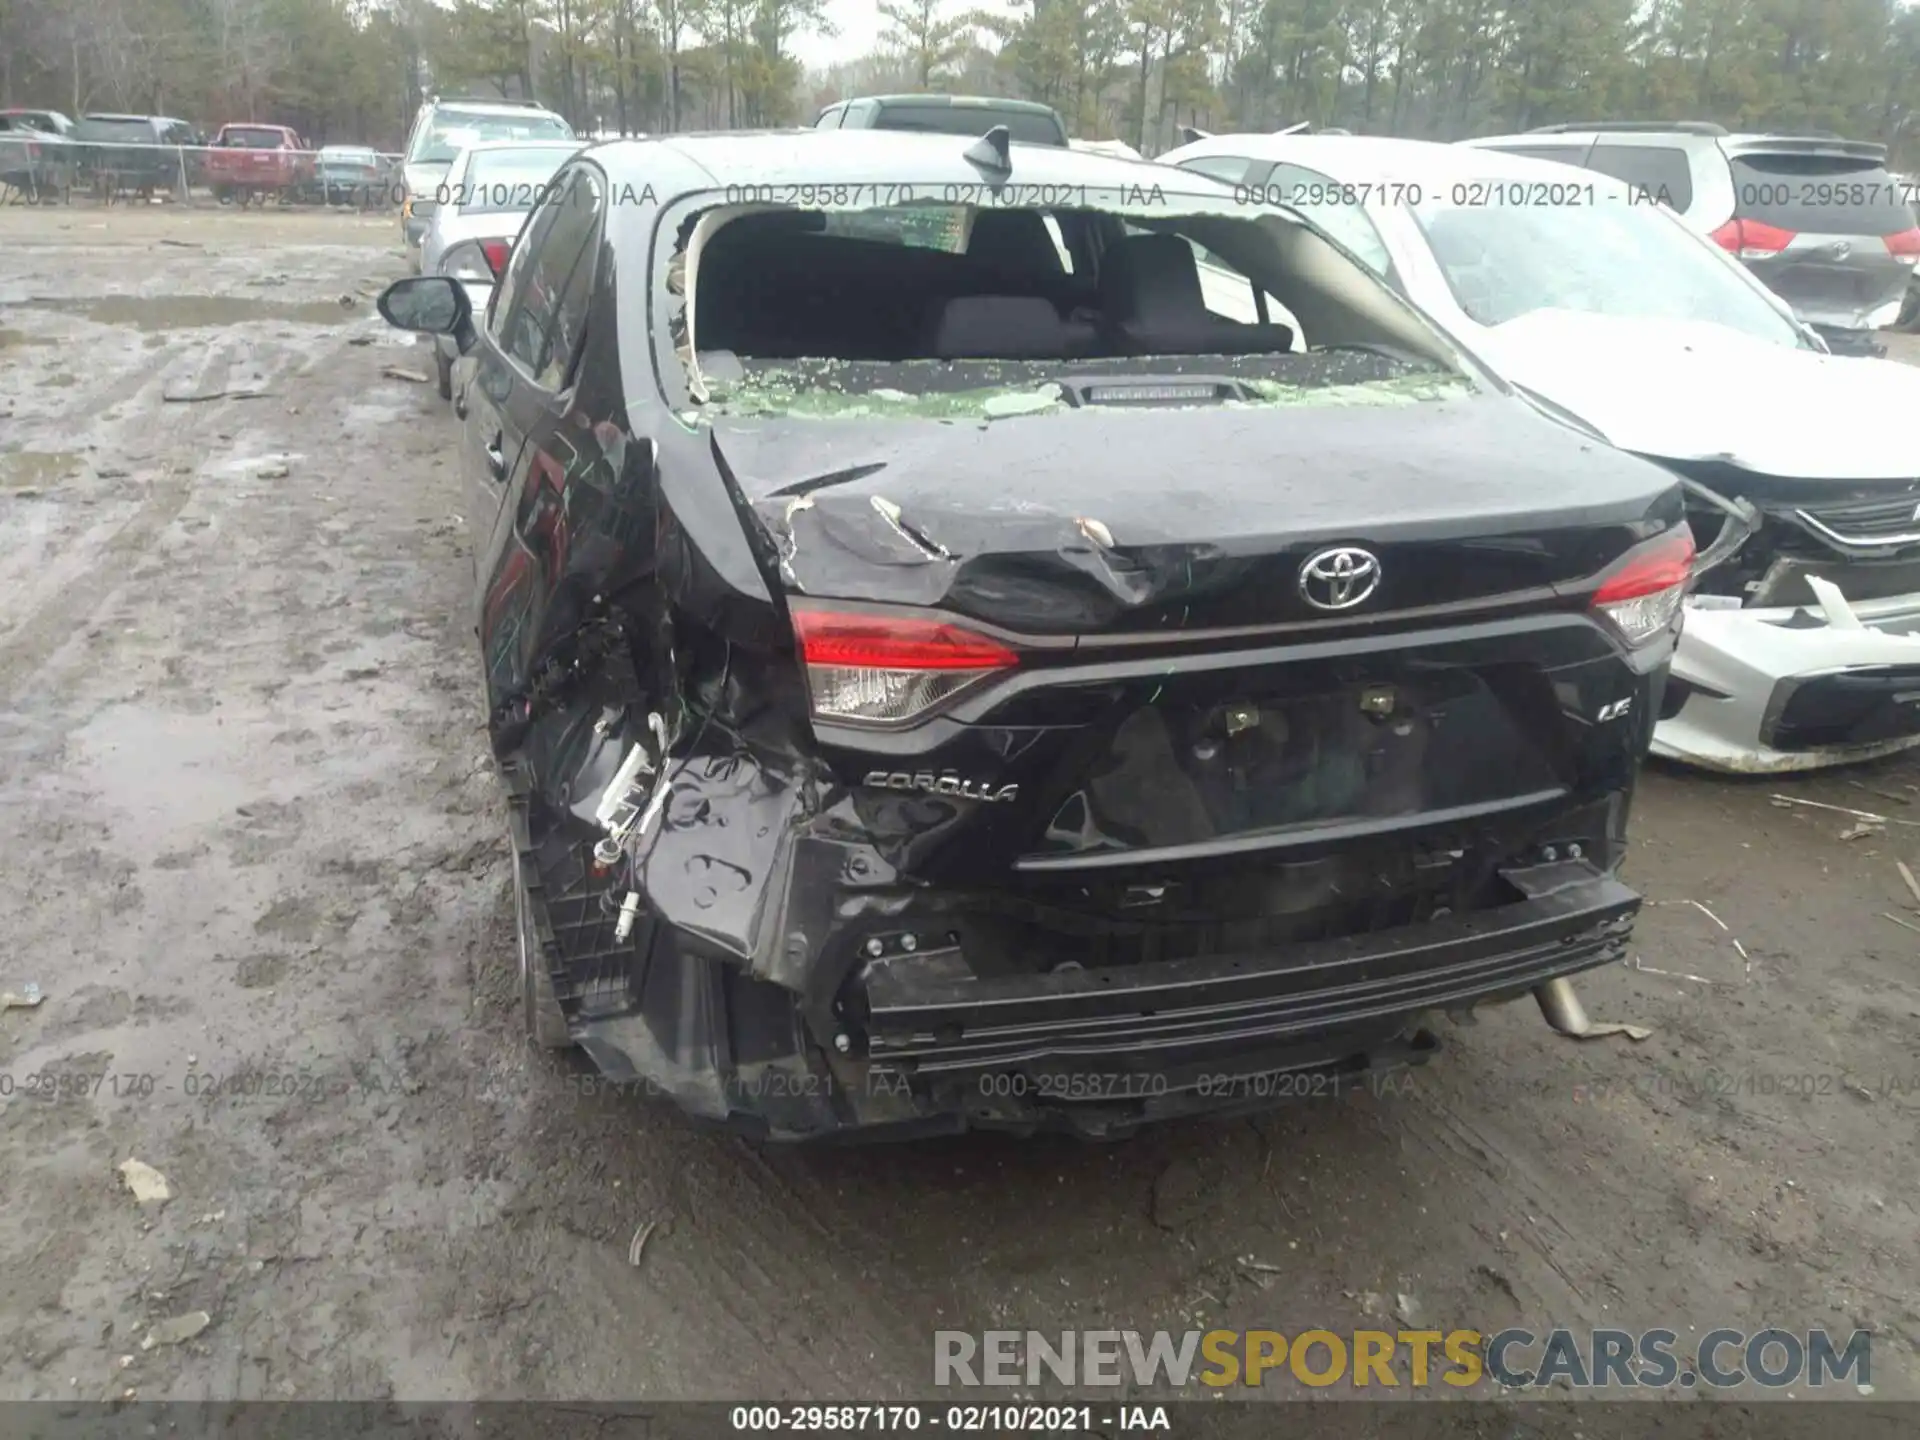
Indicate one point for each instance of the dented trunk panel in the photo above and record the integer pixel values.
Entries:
(1096, 521)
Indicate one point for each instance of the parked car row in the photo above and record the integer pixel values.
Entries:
(37, 155)
(44, 156)
(1101, 641)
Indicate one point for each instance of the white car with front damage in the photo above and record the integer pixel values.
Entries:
(1802, 649)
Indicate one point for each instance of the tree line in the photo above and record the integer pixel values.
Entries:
(1138, 70)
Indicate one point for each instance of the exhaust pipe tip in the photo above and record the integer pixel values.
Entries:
(1560, 1006)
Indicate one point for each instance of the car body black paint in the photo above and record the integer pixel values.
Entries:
(799, 926)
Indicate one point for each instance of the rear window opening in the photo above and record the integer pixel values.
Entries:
(242, 137)
(135, 131)
(958, 309)
(1814, 194)
(453, 130)
(500, 182)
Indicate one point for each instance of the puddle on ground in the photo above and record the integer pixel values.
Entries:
(192, 312)
(11, 338)
(36, 469)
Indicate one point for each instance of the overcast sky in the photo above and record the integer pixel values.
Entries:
(858, 23)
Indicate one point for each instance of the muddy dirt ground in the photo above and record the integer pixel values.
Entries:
(250, 835)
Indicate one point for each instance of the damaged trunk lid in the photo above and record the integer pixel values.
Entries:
(1097, 521)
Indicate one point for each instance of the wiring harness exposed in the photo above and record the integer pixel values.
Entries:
(631, 805)
(600, 648)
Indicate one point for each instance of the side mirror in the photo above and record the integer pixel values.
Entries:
(430, 305)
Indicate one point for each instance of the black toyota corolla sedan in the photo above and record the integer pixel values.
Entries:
(992, 635)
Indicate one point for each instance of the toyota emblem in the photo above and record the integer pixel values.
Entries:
(1339, 578)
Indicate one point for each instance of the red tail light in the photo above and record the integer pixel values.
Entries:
(496, 252)
(1905, 246)
(890, 669)
(1751, 240)
(1644, 592)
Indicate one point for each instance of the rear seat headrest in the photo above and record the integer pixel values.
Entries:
(1153, 302)
(1145, 276)
(1016, 241)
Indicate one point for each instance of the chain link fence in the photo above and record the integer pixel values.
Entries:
(40, 168)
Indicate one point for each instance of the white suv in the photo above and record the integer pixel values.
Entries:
(1817, 219)
(444, 128)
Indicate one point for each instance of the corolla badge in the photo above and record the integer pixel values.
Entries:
(948, 784)
(1339, 578)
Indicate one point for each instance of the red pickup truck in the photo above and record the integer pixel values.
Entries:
(258, 160)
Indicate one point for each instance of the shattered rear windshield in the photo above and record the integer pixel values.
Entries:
(1002, 390)
(984, 310)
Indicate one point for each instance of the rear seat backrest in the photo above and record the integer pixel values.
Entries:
(786, 295)
(771, 292)
(1014, 254)
(1005, 327)
(1152, 280)
(1152, 303)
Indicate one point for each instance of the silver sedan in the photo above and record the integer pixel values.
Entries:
(489, 189)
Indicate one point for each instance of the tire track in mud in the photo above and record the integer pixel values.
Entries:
(400, 1165)
(70, 607)
(783, 1256)
(1503, 1181)
(748, 1282)
(292, 649)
